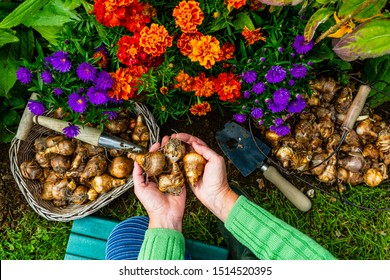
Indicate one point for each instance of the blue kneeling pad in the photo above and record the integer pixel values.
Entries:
(88, 237)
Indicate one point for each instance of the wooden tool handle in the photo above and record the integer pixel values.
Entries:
(88, 135)
(356, 107)
(296, 197)
(26, 121)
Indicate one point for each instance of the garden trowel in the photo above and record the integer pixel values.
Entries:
(240, 147)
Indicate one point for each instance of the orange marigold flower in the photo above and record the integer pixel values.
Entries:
(103, 60)
(188, 15)
(235, 3)
(129, 49)
(126, 81)
(135, 19)
(204, 87)
(184, 42)
(111, 12)
(228, 86)
(200, 109)
(227, 51)
(155, 39)
(252, 36)
(184, 81)
(149, 10)
(205, 51)
(163, 90)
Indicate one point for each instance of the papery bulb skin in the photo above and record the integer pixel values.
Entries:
(194, 164)
(141, 132)
(104, 183)
(174, 150)
(153, 163)
(172, 183)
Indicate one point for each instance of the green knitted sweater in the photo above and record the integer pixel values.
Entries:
(268, 237)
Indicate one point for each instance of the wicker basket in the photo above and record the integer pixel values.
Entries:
(21, 151)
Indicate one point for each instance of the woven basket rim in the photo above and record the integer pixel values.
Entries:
(30, 188)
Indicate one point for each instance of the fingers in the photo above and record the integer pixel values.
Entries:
(155, 147)
(138, 177)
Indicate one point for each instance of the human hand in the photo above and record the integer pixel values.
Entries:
(164, 210)
(212, 189)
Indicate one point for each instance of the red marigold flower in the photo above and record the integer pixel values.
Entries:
(126, 81)
(200, 109)
(110, 12)
(184, 42)
(205, 51)
(204, 87)
(188, 15)
(129, 49)
(228, 86)
(227, 51)
(136, 17)
(235, 3)
(252, 36)
(184, 81)
(155, 39)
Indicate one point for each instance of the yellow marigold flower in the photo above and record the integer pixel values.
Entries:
(200, 109)
(155, 39)
(188, 15)
(235, 3)
(163, 90)
(344, 28)
(252, 36)
(205, 50)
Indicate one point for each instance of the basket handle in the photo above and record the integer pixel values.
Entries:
(26, 121)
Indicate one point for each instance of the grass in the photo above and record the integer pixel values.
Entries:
(346, 231)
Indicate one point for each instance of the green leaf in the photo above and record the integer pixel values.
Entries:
(320, 16)
(50, 33)
(7, 36)
(9, 57)
(22, 13)
(348, 6)
(10, 118)
(14, 103)
(27, 42)
(376, 70)
(281, 2)
(369, 39)
(243, 20)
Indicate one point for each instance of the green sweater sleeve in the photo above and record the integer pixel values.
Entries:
(162, 244)
(270, 238)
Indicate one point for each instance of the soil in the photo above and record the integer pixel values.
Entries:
(13, 205)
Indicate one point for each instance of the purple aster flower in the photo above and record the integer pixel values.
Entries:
(280, 49)
(281, 130)
(47, 61)
(257, 113)
(240, 118)
(310, 63)
(256, 101)
(276, 107)
(104, 81)
(281, 95)
(60, 61)
(298, 71)
(115, 100)
(111, 115)
(36, 107)
(259, 88)
(97, 96)
(291, 83)
(47, 77)
(80, 90)
(57, 91)
(301, 46)
(278, 121)
(71, 130)
(249, 76)
(24, 75)
(246, 94)
(297, 105)
(86, 72)
(77, 103)
(276, 74)
(262, 59)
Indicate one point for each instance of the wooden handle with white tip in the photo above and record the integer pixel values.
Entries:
(296, 197)
(87, 134)
(356, 107)
(26, 121)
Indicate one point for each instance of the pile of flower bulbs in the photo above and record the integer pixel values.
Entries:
(73, 172)
(364, 155)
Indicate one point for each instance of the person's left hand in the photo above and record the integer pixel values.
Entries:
(164, 210)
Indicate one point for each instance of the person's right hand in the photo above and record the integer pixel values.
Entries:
(212, 189)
